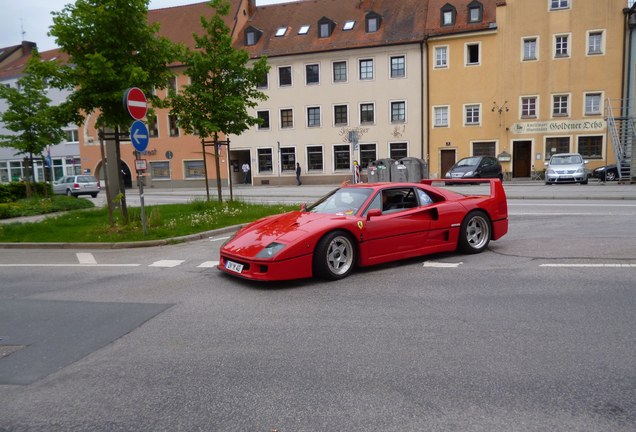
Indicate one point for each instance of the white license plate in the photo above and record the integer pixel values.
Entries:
(235, 267)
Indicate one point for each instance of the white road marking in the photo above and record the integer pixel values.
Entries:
(590, 265)
(70, 265)
(166, 263)
(441, 265)
(86, 258)
(208, 264)
(218, 238)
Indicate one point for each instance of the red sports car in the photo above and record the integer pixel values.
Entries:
(366, 224)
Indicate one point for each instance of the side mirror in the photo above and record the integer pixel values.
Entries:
(374, 213)
(545, 163)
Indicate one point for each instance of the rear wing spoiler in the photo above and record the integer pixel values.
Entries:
(497, 192)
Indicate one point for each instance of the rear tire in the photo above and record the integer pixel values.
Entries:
(475, 232)
(94, 195)
(69, 193)
(334, 256)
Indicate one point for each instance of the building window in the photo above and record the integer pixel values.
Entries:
(593, 104)
(312, 74)
(348, 25)
(280, 32)
(472, 54)
(367, 113)
(340, 115)
(448, 14)
(252, 36)
(487, 148)
(398, 151)
(314, 158)
(288, 159)
(529, 107)
(595, 43)
(313, 116)
(284, 76)
(530, 48)
(286, 118)
(339, 71)
(560, 105)
(341, 157)
(556, 145)
(366, 69)
(398, 67)
(368, 154)
(591, 147)
(475, 12)
(173, 125)
(398, 112)
(303, 30)
(72, 136)
(193, 169)
(559, 4)
(265, 160)
(561, 46)
(441, 57)
(153, 127)
(472, 115)
(160, 170)
(172, 85)
(325, 27)
(263, 117)
(372, 22)
(440, 116)
(264, 82)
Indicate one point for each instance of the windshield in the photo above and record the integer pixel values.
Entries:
(341, 201)
(472, 161)
(566, 160)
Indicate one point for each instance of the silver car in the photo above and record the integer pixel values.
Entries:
(77, 185)
(566, 168)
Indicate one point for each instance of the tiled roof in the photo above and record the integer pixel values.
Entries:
(14, 69)
(402, 21)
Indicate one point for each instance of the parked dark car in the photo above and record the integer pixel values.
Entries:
(475, 167)
(606, 173)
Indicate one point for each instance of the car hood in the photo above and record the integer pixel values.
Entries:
(287, 228)
(464, 168)
(565, 167)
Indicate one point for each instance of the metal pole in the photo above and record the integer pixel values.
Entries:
(229, 170)
(141, 196)
(105, 171)
(217, 164)
(205, 170)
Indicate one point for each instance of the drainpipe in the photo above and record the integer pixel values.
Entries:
(424, 104)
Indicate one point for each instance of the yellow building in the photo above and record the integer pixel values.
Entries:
(534, 84)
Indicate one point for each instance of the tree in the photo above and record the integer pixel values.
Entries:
(222, 85)
(30, 115)
(111, 47)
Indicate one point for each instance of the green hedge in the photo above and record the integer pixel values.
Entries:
(14, 191)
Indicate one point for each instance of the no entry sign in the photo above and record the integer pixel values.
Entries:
(136, 103)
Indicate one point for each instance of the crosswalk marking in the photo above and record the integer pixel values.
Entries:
(218, 238)
(441, 264)
(208, 264)
(85, 258)
(166, 263)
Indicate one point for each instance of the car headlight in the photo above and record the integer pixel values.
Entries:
(468, 173)
(580, 171)
(270, 250)
(448, 174)
(550, 171)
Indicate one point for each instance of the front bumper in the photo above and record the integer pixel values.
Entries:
(269, 270)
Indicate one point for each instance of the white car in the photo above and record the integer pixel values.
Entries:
(77, 185)
(566, 168)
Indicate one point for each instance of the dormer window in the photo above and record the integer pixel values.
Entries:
(348, 25)
(281, 31)
(372, 22)
(303, 30)
(325, 27)
(475, 12)
(252, 35)
(448, 15)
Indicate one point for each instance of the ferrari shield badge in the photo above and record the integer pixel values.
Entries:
(360, 224)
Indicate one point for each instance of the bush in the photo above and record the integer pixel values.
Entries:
(14, 191)
(37, 206)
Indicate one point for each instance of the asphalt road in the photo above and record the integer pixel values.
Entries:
(535, 334)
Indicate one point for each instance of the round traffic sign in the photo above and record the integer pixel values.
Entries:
(139, 135)
(136, 103)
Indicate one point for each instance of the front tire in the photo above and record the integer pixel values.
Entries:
(475, 233)
(335, 256)
(610, 176)
(69, 193)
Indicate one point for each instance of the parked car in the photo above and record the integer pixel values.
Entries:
(606, 173)
(476, 167)
(566, 168)
(366, 224)
(77, 185)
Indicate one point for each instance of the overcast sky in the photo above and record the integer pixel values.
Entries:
(30, 19)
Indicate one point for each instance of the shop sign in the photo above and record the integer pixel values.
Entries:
(558, 126)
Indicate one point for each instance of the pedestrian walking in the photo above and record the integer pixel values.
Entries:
(246, 173)
(298, 171)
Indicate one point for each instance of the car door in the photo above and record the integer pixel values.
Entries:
(397, 232)
(60, 186)
(488, 168)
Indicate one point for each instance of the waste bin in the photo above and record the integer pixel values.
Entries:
(380, 170)
(409, 169)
